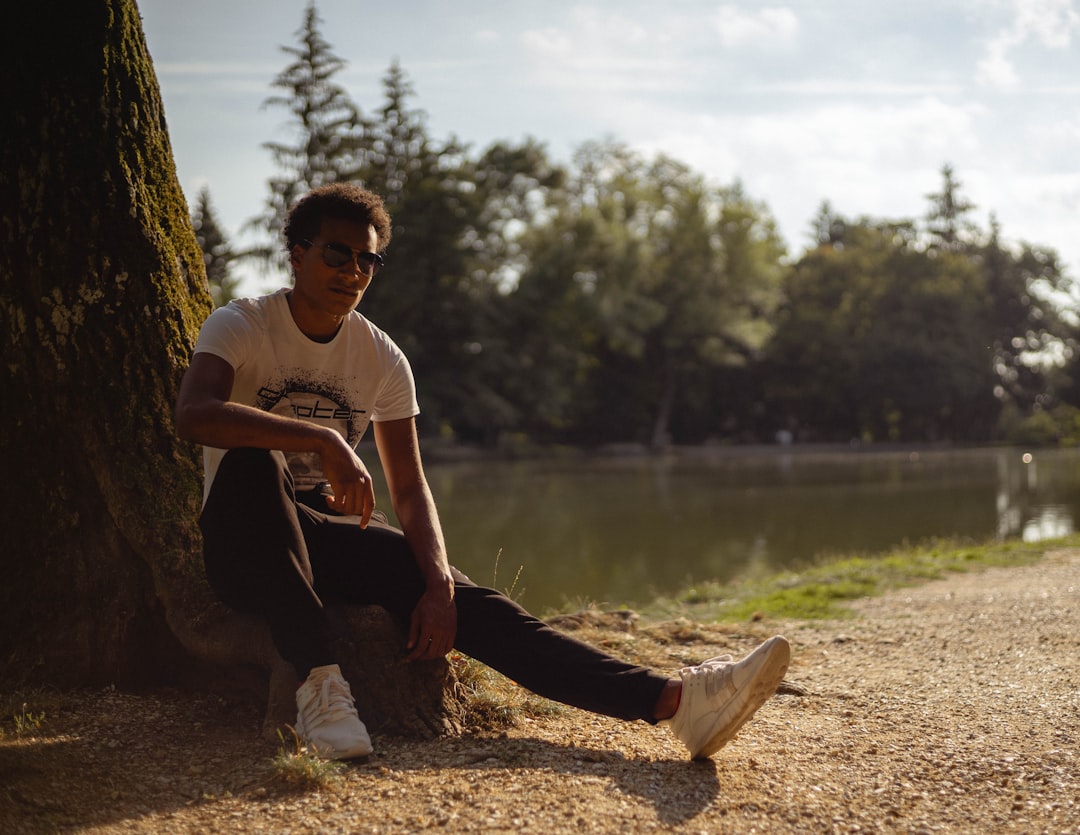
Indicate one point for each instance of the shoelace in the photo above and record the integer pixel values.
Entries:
(715, 663)
(713, 683)
(334, 701)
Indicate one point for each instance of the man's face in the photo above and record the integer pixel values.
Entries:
(326, 294)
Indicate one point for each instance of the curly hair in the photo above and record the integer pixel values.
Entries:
(342, 201)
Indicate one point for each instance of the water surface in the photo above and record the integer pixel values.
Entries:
(622, 530)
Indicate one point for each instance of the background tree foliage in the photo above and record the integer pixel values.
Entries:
(643, 277)
(622, 298)
(218, 254)
(899, 333)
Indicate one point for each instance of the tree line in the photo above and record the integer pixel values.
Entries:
(620, 298)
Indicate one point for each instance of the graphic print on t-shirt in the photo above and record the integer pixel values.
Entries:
(307, 395)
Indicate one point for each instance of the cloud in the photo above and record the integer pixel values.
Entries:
(736, 27)
(876, 158)
(681, 42)
(597, 53)
(853, 87)
(921, 132)
(550, 41)
(593, 35)
(995, 69)
(1050, 23)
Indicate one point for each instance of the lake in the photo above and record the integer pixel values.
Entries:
(626, 529)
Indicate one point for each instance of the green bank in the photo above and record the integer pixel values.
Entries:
(823, 589)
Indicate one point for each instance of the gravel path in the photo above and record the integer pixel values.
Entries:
(949, 707)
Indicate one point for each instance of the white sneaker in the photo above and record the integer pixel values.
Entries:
(719, 696)
(326, 718)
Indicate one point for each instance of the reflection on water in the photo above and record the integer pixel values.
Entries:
(1052, 521)
(1024, 509)
(624, 530)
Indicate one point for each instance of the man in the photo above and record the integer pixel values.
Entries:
(279, 392)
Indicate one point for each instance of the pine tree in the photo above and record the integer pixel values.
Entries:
(325, 122)
(946, 220)
(425, 298)
(217, 252)
(827, 226)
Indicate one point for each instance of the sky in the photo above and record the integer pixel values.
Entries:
(857, 102)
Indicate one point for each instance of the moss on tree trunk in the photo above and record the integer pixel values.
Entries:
(102, 287)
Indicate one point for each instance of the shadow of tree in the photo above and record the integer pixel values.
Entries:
(111, 757)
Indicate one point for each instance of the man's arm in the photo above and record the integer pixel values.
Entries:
(205, 415)
(434, 620)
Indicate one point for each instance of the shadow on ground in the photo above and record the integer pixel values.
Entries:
(111, 757)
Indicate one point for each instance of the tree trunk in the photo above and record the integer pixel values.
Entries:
(101, 289)
(661, 436)
(393, 696)
(102, 292)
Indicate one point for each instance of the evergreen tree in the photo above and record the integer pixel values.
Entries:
(325, 123)
(428, 297)
(217, 252)
(946, 220)
(827, 226)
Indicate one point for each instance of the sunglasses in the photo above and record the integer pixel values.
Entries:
(338, 255)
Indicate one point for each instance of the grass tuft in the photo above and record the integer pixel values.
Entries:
(27, 722)
(297, 766)
(509, 592)
(24, 714)
(492, 701)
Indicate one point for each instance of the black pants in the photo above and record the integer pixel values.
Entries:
(268, 554)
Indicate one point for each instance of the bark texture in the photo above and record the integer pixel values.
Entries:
(101, 289)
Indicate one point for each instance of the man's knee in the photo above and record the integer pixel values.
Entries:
(246, 479)
(251, 462)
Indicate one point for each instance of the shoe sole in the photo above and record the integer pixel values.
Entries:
(331, 753)
(761, 689)
(350, 754)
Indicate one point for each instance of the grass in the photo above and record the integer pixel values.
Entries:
(820, 590)
(294, 764)
(509, 592)
(24, 714)
(494, 702)
(817, 591)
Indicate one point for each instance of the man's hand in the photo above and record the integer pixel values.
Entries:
(433, 626)
(353, 494)
(434, 620)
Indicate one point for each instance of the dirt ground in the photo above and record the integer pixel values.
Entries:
(949, 707)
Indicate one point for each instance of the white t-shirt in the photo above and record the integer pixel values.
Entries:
(357, 377)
